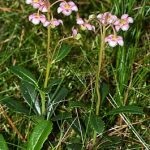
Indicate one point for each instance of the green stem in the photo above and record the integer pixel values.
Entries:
(42, 94)
(48, 54)
(47, 73)
(97, 85)
(100, 60)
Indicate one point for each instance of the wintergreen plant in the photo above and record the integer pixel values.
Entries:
(99, 25)
(40, 98)
(50, 22)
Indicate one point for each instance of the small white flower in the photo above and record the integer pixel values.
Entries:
(37, 18)
(67, 7)
(114, 40)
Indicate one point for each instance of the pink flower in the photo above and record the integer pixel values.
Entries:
(34, 3)
(123, 23)
(113, 40)
(37, 18)
(39, 4)
(74, 32)
(53, 23)
(80, 21)
(67, 7)
(106, 18)
(85, 25)
(43, 6)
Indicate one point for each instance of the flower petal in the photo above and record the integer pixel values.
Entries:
(74, 8)
(71, 3)
(35, 21)
(124, 16)
(88, 26)
(120, 42)
(43, 9)
(59, 10)
(67, 12)
(112, 43)
(125, 27)
(130, 20)
(99, 16)
(46, 23)
(117, 28)
(36, 5)
(80, 21)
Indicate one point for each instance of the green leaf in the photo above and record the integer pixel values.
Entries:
(126, 109)
(61, 94)
(55, 99)
(24, 74)
(15, 105)
(104, 90)
(3, 145)
(62, 52)
(97, 123)
(30, 95)
(39, 135)
(52, 84)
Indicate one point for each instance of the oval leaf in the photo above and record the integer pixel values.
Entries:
(60, 95)
(104, 90)
(24, 74)
(55, 100)
(39, 135)
(15, 105)
(3, 145)
(30, 96)
(62, 52)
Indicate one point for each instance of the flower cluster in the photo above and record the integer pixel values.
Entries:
(107, 19)
(65, 8)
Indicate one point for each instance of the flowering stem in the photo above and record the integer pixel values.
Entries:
(100, 59)
(43, 96)
(97, 85)
(48, 59)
